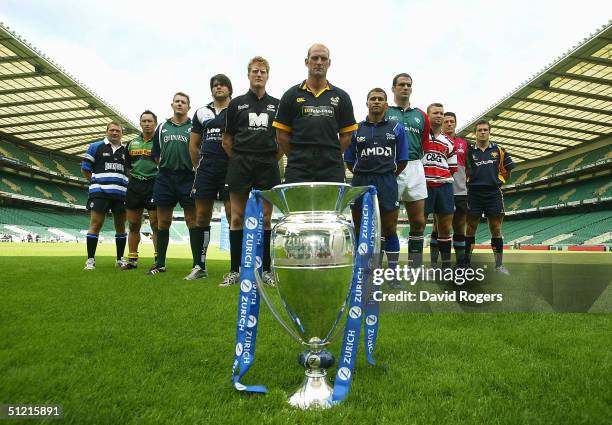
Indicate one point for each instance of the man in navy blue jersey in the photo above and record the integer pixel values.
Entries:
(377, 154)
(104, 166)
(210, 162)
(488, 167)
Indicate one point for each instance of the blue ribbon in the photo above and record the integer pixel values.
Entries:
(248, 298)
(358, 298)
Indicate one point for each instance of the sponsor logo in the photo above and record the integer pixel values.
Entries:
(250, 223)
(355, 312)
(300, 100)
(239, 386)
(334, 100)
(241, 107)
(489, 161)
(494, 155)
(377, 151)
(106, 154)
(318, 111)
(434, 157)
(258, 120)
(246, 285)
(271, 108)
(239, 349)
(258, 262)
(390, 136)
(371, 320)
(363, 248)
(361, 139)
(91, 204)
(164, 130)
(417, 120)
(252, 321)
(344, 373)
(213, 130)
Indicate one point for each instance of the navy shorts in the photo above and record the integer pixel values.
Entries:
(440, 199)
(140, 194)
(461, 204)
(311, 163)
(209, 180)
(489, 202)
(172, 187)
(386, 187)
(104, 205)
(248, 171)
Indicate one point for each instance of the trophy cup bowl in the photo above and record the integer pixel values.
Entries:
(312, 254)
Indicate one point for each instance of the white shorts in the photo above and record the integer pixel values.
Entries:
(411, 183)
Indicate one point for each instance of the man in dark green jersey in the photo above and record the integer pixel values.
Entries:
(142, 172)
(411, 182)
(175, 178)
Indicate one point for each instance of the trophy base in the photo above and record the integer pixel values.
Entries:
(315, 392)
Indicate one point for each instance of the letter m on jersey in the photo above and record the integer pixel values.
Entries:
(258, 120)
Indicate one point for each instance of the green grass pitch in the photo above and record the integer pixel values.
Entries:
(119, 347)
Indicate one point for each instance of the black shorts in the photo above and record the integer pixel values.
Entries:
(490, 202)
(247, 171)
(104, 205)
(314, 164)
(209, 180)
(172, 187)
(140, 194)
(386, 188)
(440, 199)
(461, 206)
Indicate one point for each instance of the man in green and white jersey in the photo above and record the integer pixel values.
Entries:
(411, 182)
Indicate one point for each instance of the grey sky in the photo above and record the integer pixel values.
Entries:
(465, 54)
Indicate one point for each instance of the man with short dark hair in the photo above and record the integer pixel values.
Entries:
(210, 162)
(411, 182)
(142, 170)
(250, 143)
(488, 167)
(175, 178)
(104, 166)
(440, 163)
(314, 124)
(377, 154)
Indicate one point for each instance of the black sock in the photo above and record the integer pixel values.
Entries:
(163, 237)
(120, 240)
(195, 242)
(433, 248)
(415, 249)
(235, 249)
(266, 247)
(497, 244)
(469, 246)
(92, 244)
(445, 251)
(459, 245)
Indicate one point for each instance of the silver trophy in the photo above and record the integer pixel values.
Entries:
(312, 257)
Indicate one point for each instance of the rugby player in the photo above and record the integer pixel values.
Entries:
(411, 182)
(210, 162)
(104, 166)
(250, 143)
(488, 167)
(314, 124)
(142, 171)
(175, 177)
(440, 163)
(377, 154)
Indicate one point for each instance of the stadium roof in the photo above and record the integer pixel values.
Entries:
(42, 104)
(567, 104)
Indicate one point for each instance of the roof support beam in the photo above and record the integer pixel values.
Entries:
(26, 75)
(11, 59)
(59, 120)
(46, 130)
(559, 117)
(536, 133)
(529, 142)
(579, 77)
(593, 59)
(565, 105)
(93, 133)
(36, 89)
(51, 111)
(573, 93)
(556, 127)
(42, 101)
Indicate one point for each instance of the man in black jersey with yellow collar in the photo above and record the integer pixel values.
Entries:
(249, 142)
(314, 124)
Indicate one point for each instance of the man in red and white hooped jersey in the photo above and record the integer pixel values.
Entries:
(440, 163)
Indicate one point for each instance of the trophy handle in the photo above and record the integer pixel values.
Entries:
(264, 296)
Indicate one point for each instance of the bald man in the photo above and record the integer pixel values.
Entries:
(314, 124)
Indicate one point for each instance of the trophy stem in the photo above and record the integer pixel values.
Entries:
(315, 392)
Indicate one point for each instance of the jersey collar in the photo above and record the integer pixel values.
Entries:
(304, 86)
